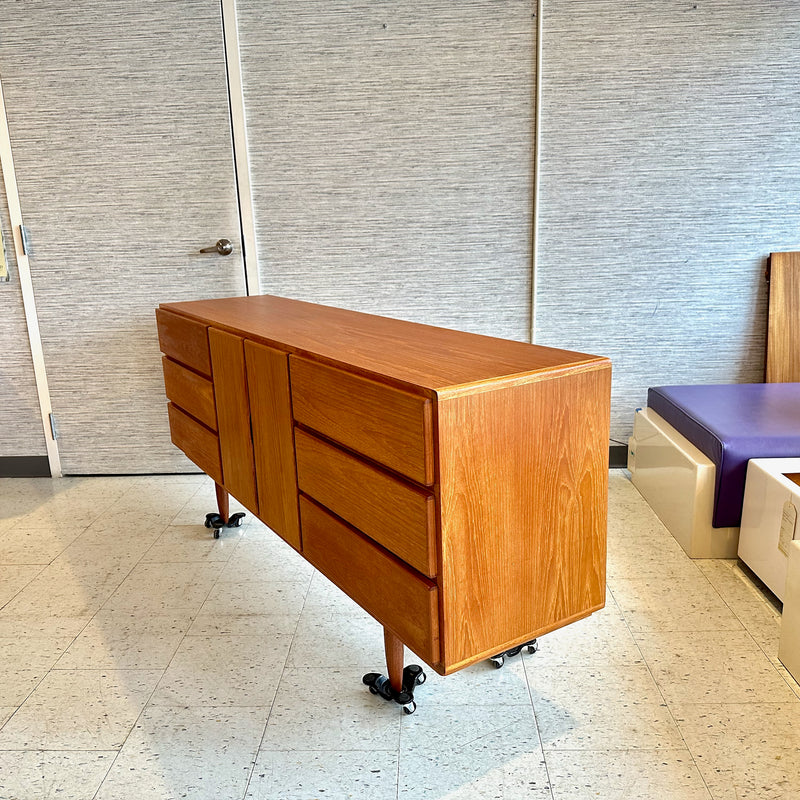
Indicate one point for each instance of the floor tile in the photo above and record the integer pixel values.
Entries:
(745, 752)
(72, 775)
(760, 617)
(38, 545)
(266, 559)
(303, 774)
(79, 710)
(713, 667)
(70, 589)
(250, 608)
(191, 543)
(165, 588)
(601, 708)
(602, 638)
(223, 670)
(32, 652)
(631, 775)
(479, 684)
(17, 684)
(506, 763)
(125, 640)
(328, 637)
(13, 579)
(330, 709)
(193, 753)
(670, 604)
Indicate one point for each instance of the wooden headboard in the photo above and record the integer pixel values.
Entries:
(783, 327)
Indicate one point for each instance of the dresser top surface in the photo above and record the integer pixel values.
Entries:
(424, 356)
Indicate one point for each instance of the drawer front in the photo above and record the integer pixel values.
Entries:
(192, 392)
(233, 417)
(184, 340)
(393, 513)
(199, 443)
(391, 426)
(380, 584)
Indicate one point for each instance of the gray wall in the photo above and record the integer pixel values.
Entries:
(20, 421)
(390, 148)
(670, 155)
(391, 159)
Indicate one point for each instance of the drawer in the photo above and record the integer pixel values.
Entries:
(390, 511)
(192, 392)
(379, 583)
(199, 443)
(184, 340)
(388, 425)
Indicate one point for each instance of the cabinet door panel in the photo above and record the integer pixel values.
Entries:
(233, 416)
(271, 412)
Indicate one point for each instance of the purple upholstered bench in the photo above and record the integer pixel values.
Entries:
(732, 423)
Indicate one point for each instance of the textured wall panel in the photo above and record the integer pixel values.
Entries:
(20, 418)
(119, 123)
(390, 148)
(670, 155)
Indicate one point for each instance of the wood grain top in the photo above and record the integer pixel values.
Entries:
(423, 356)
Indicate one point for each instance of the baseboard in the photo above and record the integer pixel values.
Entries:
(39, 466)
(24, 467)
(617, 456)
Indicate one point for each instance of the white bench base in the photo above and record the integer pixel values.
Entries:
(677, 481)
(766, 490)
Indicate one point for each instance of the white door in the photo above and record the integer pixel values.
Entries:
(120, 128)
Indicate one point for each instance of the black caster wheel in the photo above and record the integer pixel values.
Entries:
(216, 533)
(410, 708)
(498, 661)
(214, 520)
(235, 520)
(532, 647)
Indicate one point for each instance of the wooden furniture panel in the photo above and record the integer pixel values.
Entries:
(783, 327)
(271, 420)
(381, 422)
(199, 443)
(393, 513)
(408, 352)
(233, 416)
(453, 485)
(192, 392)
(382, 585)
(524, 481)
(184, 340)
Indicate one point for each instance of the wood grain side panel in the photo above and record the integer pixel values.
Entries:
(200, 444)
(192, 392)
(394, 514)
(184, 340)
(233, 416)
(271, 419)
(783, 327)
(386, 424)
(524, 481)
(380, 584)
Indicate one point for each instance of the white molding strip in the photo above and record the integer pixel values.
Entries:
(537, 149)
(26, 285)
(230, 27)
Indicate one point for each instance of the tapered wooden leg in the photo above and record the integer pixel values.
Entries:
(223, 505)
(394, 659)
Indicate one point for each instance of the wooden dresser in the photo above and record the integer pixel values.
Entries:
(453, 485)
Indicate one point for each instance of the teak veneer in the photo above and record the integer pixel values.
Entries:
(454, 485)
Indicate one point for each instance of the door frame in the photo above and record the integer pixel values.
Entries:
(26, 285)
(230, 33)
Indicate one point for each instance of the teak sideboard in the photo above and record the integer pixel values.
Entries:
(453, 485)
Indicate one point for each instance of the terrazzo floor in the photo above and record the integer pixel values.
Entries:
(140, 659)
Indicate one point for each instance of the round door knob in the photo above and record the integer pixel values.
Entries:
(223, 246)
